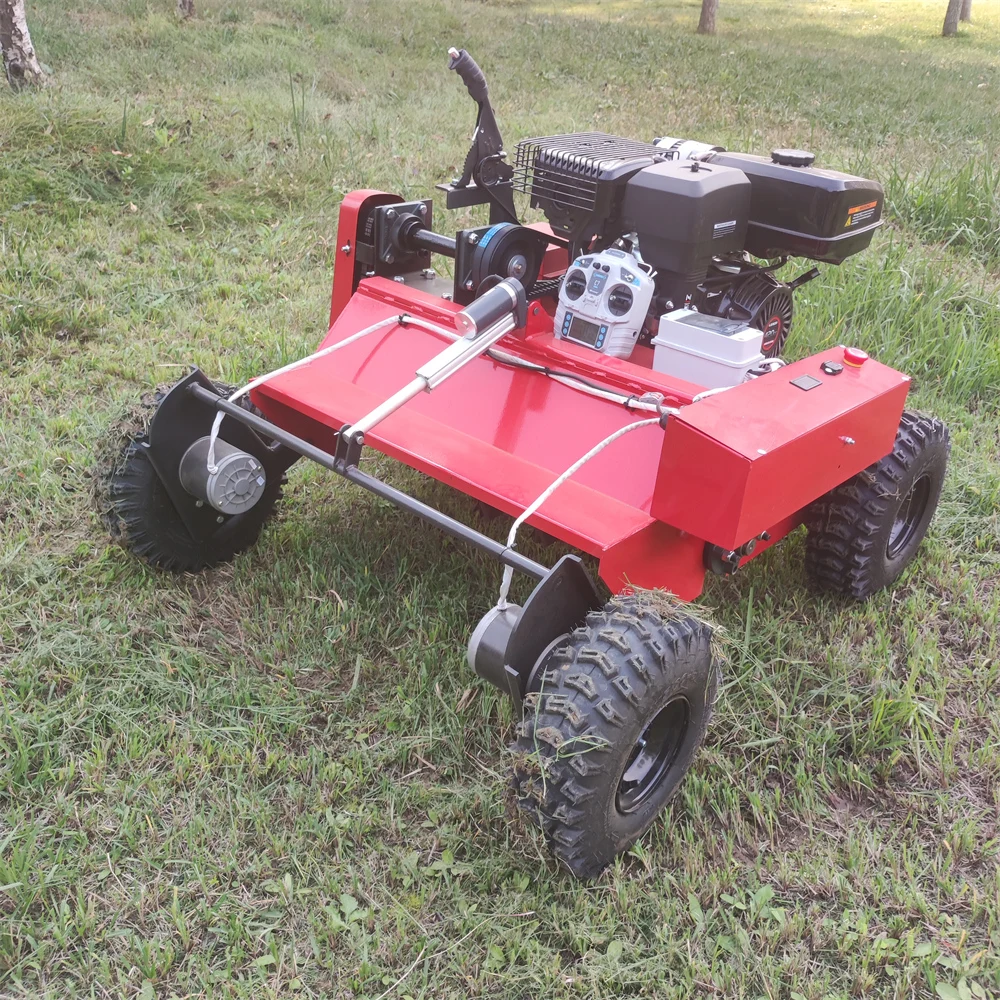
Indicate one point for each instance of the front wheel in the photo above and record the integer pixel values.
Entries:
(864, 533)
(139, 514)
(619, 710)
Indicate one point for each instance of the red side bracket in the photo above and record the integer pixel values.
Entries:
(350, 268)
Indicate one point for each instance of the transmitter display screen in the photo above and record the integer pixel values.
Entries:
(583, 332)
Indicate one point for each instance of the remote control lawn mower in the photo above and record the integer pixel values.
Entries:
(612, 377)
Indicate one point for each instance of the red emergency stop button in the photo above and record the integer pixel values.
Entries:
(854, 357)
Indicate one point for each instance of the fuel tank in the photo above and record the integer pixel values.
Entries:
(799, 210)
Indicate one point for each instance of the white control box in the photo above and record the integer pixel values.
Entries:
(707, 350)
(603, 302)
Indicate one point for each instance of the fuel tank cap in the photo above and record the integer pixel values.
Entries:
(792, 157)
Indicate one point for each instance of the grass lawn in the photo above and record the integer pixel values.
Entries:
(280, 778)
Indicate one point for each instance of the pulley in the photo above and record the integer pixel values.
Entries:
(501, 251)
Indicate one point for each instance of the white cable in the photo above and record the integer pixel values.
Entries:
(403, 319)
(508, 572)
(712, 392)
(649, 402)
(771, 364)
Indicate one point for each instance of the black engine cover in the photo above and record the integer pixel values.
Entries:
(685, 213)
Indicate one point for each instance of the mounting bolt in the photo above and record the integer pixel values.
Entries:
(847, 440)
(469, 285)
(220, 519)
(346, 248)
(473, 240)
(428, 273)
(421, 209)
(388, 256)
(391, 214)
(765, 536)
(398, 277)
(199, 503)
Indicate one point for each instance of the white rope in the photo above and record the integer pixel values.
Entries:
(508, 572)
(403, 319)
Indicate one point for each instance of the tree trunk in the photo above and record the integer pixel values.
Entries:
(966, 10)
(951, 18)
(185, 8)
(706, 26)
(19, 60)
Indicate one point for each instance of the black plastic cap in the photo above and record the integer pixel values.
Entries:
(793, 157)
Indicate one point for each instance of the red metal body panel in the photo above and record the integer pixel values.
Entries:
(726, 469)
(488, 430)
(352, 208)
(738, 462)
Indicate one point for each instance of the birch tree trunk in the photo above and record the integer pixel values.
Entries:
(951, 18)
(185, 8)
(706, 25)
(19, 60)
(966, 10)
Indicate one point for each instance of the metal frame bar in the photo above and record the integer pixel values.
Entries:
(353, 474)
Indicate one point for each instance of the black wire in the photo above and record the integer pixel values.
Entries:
(722, 280)
(557, 373)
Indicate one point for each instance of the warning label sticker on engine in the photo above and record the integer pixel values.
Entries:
(860, 213)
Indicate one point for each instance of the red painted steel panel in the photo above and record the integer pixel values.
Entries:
(761, 451)
(657, 555)
(499, 434)
(351, 209)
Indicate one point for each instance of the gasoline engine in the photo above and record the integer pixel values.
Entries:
(672, 244)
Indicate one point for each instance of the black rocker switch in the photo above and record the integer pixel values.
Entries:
(832, 367)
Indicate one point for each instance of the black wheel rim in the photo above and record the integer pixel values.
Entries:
(909, 517)
(653, 755)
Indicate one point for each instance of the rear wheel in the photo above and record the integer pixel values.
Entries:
(863, 534)
(620, 710)
(139, 514)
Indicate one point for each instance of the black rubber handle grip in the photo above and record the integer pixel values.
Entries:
(472, 76)
(506, 297)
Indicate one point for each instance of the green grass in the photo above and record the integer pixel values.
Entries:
(280, 778)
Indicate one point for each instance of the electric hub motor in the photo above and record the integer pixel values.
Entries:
(236, 484)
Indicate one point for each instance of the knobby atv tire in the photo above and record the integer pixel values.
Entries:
(864, 533)
(139, 513)
(599, 688)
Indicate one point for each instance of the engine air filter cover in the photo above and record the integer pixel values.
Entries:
(685, 213)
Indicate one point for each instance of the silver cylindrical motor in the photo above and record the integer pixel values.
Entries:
(236, 484)
(488, 644)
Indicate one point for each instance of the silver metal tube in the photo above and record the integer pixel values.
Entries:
(383, 410)
(430, 375)
(459, 354)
